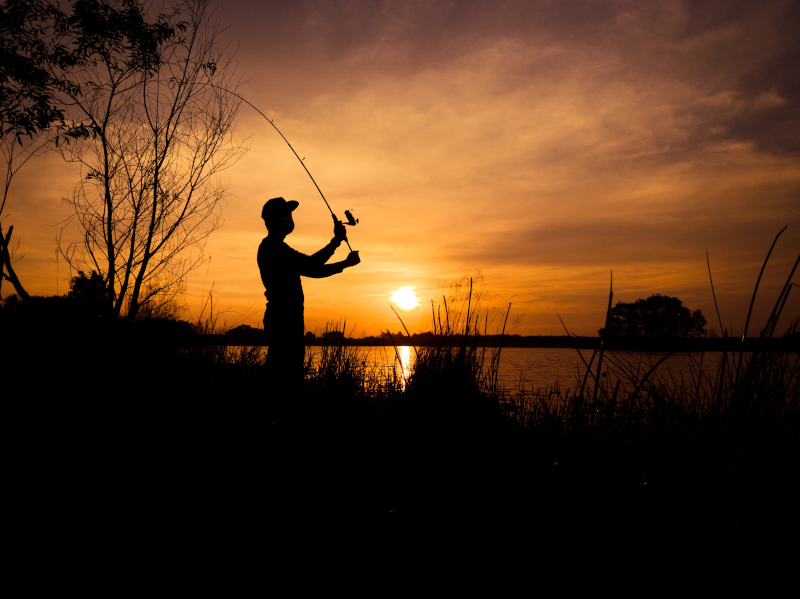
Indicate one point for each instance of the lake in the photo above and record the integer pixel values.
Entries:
(542, 367)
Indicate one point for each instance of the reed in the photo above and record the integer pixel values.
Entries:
(344, 369)
(747, 402)
(458, 361)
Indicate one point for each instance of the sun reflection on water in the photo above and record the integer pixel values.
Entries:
(403, 365)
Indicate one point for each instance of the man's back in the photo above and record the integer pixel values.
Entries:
(280, 268)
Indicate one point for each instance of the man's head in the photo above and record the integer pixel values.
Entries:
(277, 215)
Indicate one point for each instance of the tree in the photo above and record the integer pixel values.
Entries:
(28, 103)
(89, 292)
(41, 49)
(152, 89)
(658, 316)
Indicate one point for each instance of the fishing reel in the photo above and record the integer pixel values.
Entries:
(351, 221)
(348, 214)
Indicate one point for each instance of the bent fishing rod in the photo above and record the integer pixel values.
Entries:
(350, 220)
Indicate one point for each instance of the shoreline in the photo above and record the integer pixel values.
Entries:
(781, 344)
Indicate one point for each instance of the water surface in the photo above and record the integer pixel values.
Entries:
(541, 367)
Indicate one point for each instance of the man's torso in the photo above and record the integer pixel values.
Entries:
(278, 264)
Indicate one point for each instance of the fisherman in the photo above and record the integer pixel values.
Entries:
(281, 268)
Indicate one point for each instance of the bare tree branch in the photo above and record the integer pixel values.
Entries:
(147, 200)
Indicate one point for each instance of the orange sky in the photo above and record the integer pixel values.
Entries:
(540, 143)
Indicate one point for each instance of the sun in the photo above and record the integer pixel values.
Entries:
(405, 298)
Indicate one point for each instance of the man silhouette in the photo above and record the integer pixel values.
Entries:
(281, 268)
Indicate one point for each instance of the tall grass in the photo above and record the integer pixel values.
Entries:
(746, 397)
(458, 361)
(748, 401)
(339, 368)
(361, 424)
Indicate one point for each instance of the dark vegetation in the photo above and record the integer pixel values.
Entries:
(658, 316)
(128, 408)
(247, 335)
(657, 324)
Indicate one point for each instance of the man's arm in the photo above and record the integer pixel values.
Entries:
(307, 267)
(321, 257)
(339, 235)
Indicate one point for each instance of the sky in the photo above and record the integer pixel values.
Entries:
(533, 146)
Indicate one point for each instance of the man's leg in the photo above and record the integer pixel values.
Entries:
(285, 356)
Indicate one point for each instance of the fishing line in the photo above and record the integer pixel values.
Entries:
(290, 147)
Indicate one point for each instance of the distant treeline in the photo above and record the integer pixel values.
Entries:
(73, 317)
(247, 335)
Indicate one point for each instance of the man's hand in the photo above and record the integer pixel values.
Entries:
(339, 232)
(352, 259)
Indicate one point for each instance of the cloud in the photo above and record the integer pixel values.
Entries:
(713, 63)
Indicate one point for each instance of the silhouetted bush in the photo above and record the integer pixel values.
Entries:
(245, 335)
(89, 294)
(658, 316)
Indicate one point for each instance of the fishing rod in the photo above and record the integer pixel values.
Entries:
(350, 220)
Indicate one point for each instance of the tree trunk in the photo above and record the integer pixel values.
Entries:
(5, 264)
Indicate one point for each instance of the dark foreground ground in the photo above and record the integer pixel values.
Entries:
(108, 436)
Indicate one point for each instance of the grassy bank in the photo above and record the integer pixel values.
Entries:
(131, 414)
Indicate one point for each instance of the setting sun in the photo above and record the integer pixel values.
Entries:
(405, 298)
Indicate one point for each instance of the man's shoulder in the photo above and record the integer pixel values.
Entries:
(265, 249)
(272, 248)
(270, 245)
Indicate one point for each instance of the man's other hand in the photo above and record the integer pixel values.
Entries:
(352, 259)
(339, 232)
